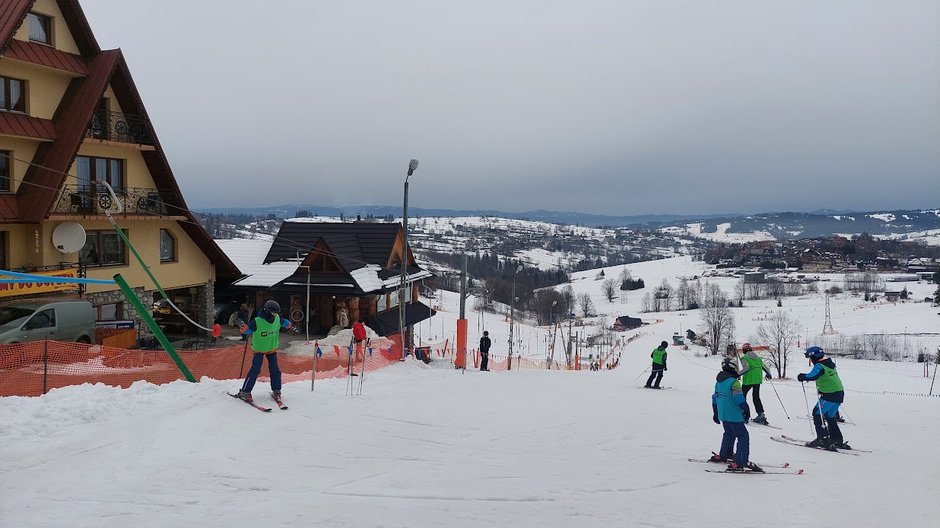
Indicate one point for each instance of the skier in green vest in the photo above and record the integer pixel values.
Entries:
(659, 366)
(752, 375)
(265, 332)
(831, 396)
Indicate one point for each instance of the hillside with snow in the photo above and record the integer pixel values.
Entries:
(428, 445)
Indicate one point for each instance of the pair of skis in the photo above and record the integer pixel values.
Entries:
(262, 408)
(784, 439)
(782, 466)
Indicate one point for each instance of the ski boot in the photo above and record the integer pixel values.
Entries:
(750, 467)
(246, 396)
(276, 396)
(761, 419)
(818, 442)
(841, 445)
(718, 459)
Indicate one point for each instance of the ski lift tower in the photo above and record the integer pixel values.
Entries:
(827, 326)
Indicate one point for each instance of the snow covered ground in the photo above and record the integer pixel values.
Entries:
(426, 445)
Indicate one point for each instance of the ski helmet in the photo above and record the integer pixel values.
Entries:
(814, 353)
(746, 347)
(730, 364)
(664, 344)
(271, 306)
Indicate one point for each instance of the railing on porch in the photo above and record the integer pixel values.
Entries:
(118, 126)
(92, 200)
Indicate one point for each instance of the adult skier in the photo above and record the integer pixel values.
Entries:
(831, 396)
(731, 411)
(485, 344)
(265, 331)
(752, 375)
(659, 366)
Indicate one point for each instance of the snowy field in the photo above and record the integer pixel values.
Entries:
(431, 446)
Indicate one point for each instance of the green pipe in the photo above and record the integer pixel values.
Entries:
(157, 331)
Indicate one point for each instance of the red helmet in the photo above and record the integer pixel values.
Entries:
(746, 347)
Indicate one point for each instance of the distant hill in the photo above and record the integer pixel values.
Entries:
(810, 225)
(555, 217)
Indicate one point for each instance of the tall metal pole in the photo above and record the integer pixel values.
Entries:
(512, 307)
(405, 342)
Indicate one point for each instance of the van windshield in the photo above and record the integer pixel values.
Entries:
(13, 313)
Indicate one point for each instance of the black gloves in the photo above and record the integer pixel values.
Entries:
(767, 376)
(746, 411)
(715, 415)
(801, 377)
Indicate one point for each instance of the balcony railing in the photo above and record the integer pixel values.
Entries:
(116, 126)
(94, 200)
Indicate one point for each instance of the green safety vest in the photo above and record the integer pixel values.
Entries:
(755, 370)
(829, 382)
(658, 354)
(264, 338)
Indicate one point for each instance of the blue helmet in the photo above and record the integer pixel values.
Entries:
(815, 353)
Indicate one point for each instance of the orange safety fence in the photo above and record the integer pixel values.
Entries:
(32, 369)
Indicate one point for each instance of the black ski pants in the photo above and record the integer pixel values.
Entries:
(656, 373)
(485, 361)
(758, 406)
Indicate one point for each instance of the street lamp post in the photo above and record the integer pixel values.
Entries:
(412, 167)
(512, 307)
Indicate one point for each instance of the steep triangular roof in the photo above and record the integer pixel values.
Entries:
(13, 13)
(47, 174)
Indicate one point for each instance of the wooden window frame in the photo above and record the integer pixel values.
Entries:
(97, 234)
(118, 311)
(48, 27)
(93, 175)
(5, 87)
(175, 256)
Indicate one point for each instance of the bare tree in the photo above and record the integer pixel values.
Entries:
(780, 332)
(684, 294)
(647, 302)
(609, 287)
(585, 303)
(717, 317)
(662, 297)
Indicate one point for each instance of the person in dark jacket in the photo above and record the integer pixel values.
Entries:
(831, 396)
(485, 351)
(731, 411)
(659, 366)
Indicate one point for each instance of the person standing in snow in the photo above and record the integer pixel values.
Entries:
(730, 410)
(265, 331)
(659, 366)
(485, 351)
(831, 396)
(752, 375)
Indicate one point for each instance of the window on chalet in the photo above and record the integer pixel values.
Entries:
(40, 28)
(6, 170)
(89, 169)
(103, 248)
(12, 95)
(167, 246)
(111, 312)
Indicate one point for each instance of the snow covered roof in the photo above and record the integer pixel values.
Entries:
(249, 255)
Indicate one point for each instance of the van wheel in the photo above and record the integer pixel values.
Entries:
(83, 340)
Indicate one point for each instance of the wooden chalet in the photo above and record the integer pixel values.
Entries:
(351, 270)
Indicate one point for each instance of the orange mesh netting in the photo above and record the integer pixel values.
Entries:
(31, 369)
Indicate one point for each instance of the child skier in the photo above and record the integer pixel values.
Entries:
(265, 330)
(831, 396)
(731, 411)
(751, 377)
(659, 366)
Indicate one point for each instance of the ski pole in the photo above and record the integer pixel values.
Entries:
(641, 373)
(778, 398)
(362, 373)
(808, 414)
(822, 418)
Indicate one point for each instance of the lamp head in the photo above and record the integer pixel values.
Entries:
(412, 166)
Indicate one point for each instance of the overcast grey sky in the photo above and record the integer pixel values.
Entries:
(613, 107)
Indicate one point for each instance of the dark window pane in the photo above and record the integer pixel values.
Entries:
(5, 173)
(116, 178)
(101, 169)
(167, 246)
(39, 29)
(83, 172)
(112, 249)
(17, 96)
(89, 253)
(4, 86)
